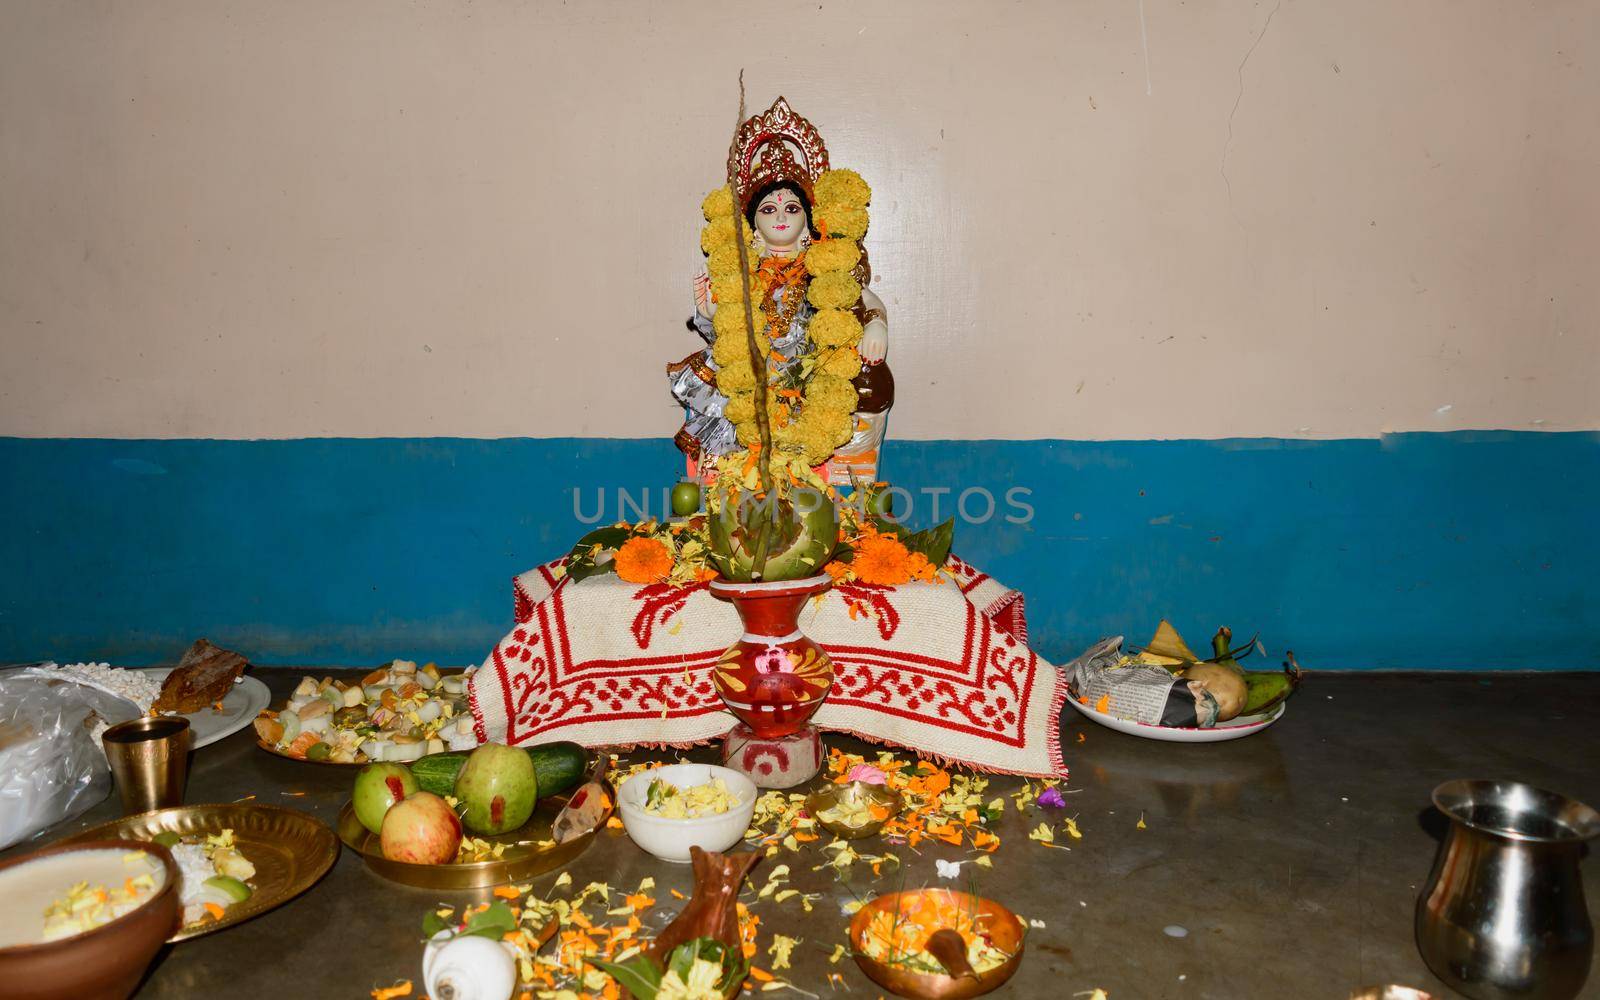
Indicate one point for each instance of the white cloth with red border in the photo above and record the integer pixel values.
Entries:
(942, 669)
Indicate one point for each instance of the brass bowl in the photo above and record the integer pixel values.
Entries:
(1005, 932)
(1390, 992)
(530, 850)
(107, 962)
(290, 849)
(849, 793)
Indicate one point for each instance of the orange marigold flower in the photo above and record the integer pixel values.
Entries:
(838, 570)
(921, 569)
(644, 560)
(882, 559)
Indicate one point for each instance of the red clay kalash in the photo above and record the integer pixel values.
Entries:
(773, 680)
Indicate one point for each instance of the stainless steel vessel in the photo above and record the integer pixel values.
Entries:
(1503, 915)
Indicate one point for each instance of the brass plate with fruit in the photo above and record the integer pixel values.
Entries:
(290, 849)
(527, 851)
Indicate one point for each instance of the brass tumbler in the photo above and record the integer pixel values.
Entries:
(150, 761)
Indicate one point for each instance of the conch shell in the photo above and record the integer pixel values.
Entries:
(468, 967)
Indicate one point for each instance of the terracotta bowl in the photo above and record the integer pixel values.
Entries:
(106, 963)
(1005, 931)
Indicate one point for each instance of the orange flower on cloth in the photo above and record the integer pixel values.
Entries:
(644, 560)
(882, 559)
(921, 569)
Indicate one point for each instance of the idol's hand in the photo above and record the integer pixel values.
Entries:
(874, 342)
(702, 295)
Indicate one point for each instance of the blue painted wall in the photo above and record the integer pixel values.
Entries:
(1464, 550)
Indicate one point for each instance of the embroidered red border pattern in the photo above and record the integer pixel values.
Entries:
(983, 695)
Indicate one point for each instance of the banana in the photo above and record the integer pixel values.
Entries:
(1222, 655)
(1267, 689)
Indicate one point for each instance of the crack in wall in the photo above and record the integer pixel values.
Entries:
(1238, 98)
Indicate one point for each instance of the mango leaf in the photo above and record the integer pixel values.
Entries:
(493, 923)
(885, 526)
(639, 975)
(934, 542)
(432, 924)
(580, 562)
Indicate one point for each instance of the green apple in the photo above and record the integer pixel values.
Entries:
(685, 498)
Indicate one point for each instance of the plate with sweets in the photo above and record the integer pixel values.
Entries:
(398, 712)
(235, 710)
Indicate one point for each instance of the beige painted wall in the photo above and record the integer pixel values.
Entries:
(335, 217)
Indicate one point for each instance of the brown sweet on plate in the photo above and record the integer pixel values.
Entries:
(202, 678)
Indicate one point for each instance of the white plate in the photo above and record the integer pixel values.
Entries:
(1234, 729)
(239, 709)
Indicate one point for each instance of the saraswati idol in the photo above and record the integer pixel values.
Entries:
(824, 332)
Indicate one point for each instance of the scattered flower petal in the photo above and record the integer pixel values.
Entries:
(867, 773)
(780, 949)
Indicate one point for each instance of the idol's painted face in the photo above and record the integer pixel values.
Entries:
(781, 219)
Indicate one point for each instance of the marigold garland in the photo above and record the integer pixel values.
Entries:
(834, 290)
(842, 221)
(828, 392)
(719, 204)
(834, 328)
(832, 255)
(816, 423)
(840, 363)
(729, 351)
(842, 187)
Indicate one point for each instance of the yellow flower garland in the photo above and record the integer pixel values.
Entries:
(823, 420)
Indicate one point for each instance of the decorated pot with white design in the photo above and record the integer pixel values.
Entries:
(774, 678)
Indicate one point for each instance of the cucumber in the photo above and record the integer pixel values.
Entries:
(558, 766)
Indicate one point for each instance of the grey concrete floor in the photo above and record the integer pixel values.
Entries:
(1281, 865)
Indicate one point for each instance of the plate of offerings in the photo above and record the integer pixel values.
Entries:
(237, 861)
(399, 712)
(208, 687)
(480, 861)
(235, 710)
(1244, 725)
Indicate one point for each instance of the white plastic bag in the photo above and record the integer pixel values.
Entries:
(51, 764)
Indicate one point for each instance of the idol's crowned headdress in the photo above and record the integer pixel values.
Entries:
(764, 149)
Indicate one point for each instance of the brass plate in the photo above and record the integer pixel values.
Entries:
(1005, 930)
(522, 860)
(363, 762)
(290, 849)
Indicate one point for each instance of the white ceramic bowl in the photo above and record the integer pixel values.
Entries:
(670, 839)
